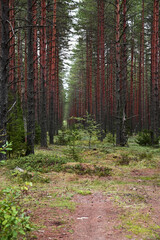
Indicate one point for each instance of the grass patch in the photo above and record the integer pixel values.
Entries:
(62, 203)
(139, 225)
(84, 192)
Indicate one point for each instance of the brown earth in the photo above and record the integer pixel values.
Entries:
(97, 216)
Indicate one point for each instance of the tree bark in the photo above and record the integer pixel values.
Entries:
(154, 73)
(4, 73)
(53, 78)
(30, 83)
(43, 116)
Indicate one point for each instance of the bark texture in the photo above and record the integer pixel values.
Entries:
(4, 73)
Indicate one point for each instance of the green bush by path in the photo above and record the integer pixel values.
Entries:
(14, 223)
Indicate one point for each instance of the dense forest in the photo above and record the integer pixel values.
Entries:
(79, 119)
(114, 73)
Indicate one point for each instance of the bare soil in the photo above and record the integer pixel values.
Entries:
(97, 216)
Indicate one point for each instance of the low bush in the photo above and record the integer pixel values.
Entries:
(39, 163)
(21, 177)
(124, 160)
(14, 223)
(144, 155)
(82, 169)
(144, 138)
(110, 138)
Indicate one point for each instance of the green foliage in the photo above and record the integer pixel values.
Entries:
(37, 134)
(14, 223)
(15, 131)
(110, 138)
(139, 225)
(70, 137)
(124, 159)
(144, 155)
(39, 163)
(89, 126)
(144, 138)
(23, 176)
(6, 147)
(82, 169)
(63, 137)
(73, 153)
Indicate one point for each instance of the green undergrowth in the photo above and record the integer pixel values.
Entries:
(62, 203)
(14, 221)
(20, 177)
(82, 169)
(39, 162)
(123, 175)
(139, 225)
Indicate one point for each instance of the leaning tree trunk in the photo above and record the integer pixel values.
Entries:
(30, 84)
(4, 60)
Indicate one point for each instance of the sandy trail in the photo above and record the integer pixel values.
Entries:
(95, 219)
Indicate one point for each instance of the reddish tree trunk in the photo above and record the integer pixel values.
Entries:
(90, 74)
(53, 77)
(43, 76)
(12, 45)
(154, 72)
(35, 60)
(25, 66)
(131, 102)
(19, 66)
(97, 95)
(102, 63)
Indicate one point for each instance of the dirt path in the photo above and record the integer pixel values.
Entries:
(95, 219)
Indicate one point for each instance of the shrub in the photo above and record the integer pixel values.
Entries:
(39, 163)
(25, 176)
(15, 130)
(82, 169)
(124, 160)
(14, 223)
(144, 138)
(110, 138)
(62, 137)
(6, 147)
(69, 137)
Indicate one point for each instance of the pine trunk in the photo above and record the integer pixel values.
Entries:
(4, 74)
(43, 76)
(30, 84)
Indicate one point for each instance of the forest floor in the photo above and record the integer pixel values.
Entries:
(76, 204)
